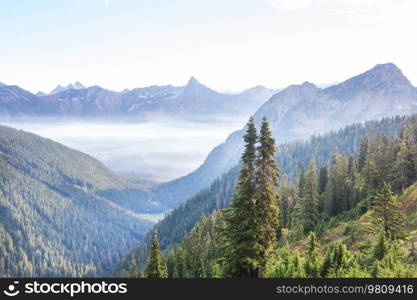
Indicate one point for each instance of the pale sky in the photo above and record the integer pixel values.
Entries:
(233, 44)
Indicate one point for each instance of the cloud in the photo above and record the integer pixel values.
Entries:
(291, 4)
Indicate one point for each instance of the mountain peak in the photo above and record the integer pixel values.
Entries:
(308, 84)
(59, 88)
(256, 89)
(194, 85)
(193, 81)
(78, 85)
(385, 73)
(387, 78)
(387, 67)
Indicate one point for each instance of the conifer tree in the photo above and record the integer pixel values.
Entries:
(296, 269)
(266, 194)
(297, 224)
(312, 263)
(363, 152)
(383, 158)
(404, 169)
(338, 184)
(311, 197)
(327, 265)
(353, 193)
(323, 179)
(336, 262)
(301, 182)
(341, 259)
(381, 246)
(369, 178)
(134, 273)
(243, 250)
(283, 267)
(286, 205)
(356, 271)
(180, 264)
(387, 214)
(156, 267)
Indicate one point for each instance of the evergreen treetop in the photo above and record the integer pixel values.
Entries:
(156, 267)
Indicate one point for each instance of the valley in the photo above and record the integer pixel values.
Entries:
(80, 195)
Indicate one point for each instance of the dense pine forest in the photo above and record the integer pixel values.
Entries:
(339, 205)
(56, 213)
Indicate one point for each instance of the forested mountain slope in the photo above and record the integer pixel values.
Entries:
(354, 216)
(356, 234)
(299, 111)
(57, 217)
(290, 157)
(350, 247)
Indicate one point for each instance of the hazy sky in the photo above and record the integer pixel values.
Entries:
(231, 44)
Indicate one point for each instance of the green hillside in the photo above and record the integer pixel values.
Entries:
(357, 234)
(353, 242)
(290, 156)
(354, 217)
(57, 213)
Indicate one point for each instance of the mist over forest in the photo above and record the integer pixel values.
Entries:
(159, 150)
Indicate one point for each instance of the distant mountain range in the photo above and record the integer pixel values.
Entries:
(295, 112)
(299, 111)
(77, 101)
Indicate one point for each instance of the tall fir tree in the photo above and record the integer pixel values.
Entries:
(311, 197)
(323, 179)
(243, 250)
(156, 267)
(286, 203)
(312, 261)
(266, 194)
(301, 181)
(323, 183)
(383, 158)
(404, 170)
(387, 215)
(299, 200)
(338, 184)
(369, 180)
(380, 247)
(363, 152)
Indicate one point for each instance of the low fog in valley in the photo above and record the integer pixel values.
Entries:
(157, 151)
